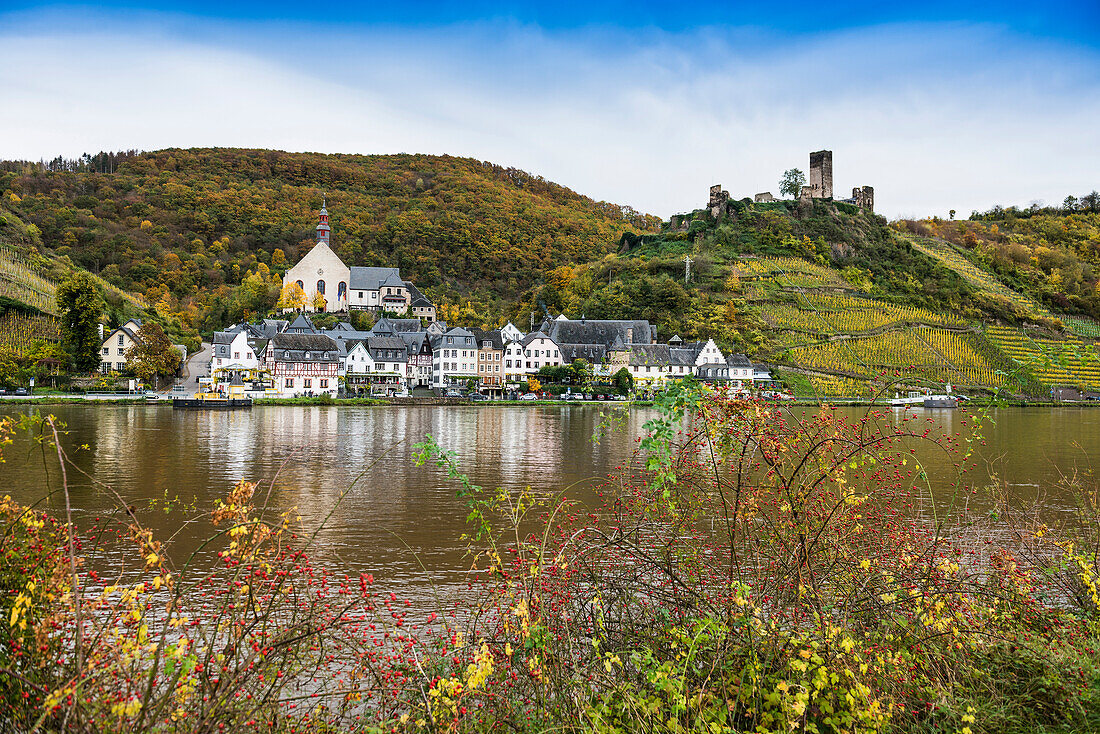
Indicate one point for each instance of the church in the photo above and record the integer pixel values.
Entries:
(322, 272)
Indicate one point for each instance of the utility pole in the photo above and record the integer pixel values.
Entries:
(687, 268)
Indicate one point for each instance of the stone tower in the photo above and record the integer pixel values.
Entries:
(821, 174)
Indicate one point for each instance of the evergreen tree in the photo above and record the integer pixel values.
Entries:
(81, 305)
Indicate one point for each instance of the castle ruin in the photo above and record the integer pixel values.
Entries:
(821, 175)
(820, 187)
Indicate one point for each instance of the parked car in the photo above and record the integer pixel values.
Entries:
(479, 398)
(452, 394)
(21, 391)
(151, 395)
(528, 396)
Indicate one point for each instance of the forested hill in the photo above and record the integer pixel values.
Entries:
(195, 222)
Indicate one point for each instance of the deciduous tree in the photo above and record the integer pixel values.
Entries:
(152, 356)
(81, 305)
(792, 182)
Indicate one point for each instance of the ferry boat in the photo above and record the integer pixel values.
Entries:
(208, 401)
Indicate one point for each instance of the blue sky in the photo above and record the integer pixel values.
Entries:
(939, 106)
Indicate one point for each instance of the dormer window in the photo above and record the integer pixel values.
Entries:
(309, 356)
(326, 355)
(286, 355)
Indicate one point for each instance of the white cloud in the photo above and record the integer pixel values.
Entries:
(935, 117)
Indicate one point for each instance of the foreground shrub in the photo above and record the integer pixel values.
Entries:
(753, 570)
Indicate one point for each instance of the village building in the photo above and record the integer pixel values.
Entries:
(114, 345)
(376, 365)
(322, 273)
(741, 370)
(454, 358)
(490, 359)
(539, 351)
(303, 364)
(418, 367)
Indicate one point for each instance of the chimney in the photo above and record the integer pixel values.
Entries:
(101, 333)
(630, 335)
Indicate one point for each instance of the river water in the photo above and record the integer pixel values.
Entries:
(401, 522)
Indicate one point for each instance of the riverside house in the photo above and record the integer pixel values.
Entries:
(454, 358)
(113, 346)
(303, 364)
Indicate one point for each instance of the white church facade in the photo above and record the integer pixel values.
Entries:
(322, 272)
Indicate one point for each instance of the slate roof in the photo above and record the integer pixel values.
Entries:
(682, 356)
(612, 334)
(371, 279)
(738, 360)
(302, 325)
(386, 326)
(535, 335)
(656, 355)
(293, 348)
(379, 345)
(594, 353)
(418, 298)
(224, 337)
(414, 341)
(462, 338)
(496, 341)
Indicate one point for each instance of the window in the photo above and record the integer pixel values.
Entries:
(321, 287)
(307, 382)
(360, 295)
(342, 290)
(106, 350)
(120, 340)
(236, 355)
(326, 355)
(289, 382)
(121, 352)
(286, 355)
(300, 284)
(324, 383)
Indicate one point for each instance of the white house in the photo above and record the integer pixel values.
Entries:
(539, 351)
(231, 350)
(113, 346)
(376, 365)
(454, 358)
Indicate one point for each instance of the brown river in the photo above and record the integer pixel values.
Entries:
(403, 523)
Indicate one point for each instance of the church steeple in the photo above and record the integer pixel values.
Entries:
(323, 230)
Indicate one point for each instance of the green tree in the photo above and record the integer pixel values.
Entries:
(792, 182)
(624, 381)
(80, 303)
(152, 356)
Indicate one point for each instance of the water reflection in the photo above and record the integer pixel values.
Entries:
(404, 522)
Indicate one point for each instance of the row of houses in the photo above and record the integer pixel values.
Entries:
(398, 355)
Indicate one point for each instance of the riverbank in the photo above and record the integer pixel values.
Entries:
(107, 398)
